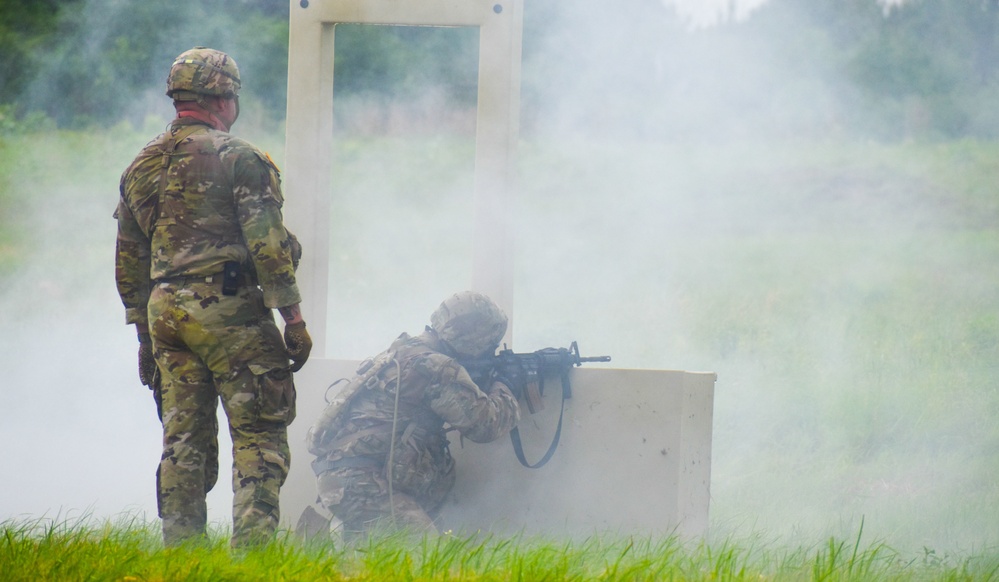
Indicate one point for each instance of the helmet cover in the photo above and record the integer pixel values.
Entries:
(203, 71)
(470, 323)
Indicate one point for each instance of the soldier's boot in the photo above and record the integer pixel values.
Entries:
(312, 525)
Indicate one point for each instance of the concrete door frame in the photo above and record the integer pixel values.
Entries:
(309, 133)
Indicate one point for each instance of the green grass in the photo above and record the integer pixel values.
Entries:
(131, 551)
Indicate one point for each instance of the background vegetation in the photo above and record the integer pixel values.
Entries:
(922, 68)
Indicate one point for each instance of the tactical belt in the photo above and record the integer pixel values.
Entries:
(181, 280)
(320, 466)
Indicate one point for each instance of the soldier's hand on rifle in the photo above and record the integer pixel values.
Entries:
(516, 387)
(147, 364)
(513, 376)
(500, 383)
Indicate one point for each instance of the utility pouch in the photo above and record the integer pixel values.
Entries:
(276, 395)
(231, 277)
(424, 470)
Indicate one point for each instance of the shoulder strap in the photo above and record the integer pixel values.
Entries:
(518, 448)
(168, 150)
(330, 419)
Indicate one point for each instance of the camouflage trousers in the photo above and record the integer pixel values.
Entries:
(211, 347)
(360, 498)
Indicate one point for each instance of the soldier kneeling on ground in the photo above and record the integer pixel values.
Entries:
(381, 446)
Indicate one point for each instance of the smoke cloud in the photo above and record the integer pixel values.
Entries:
(688, 201)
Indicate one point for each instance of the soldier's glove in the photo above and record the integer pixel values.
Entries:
(299, 344)
(147, 364)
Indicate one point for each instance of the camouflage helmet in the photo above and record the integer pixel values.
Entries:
(469, 323)
(203, 71)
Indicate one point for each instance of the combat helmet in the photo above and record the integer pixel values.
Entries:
(469, 323)
(203, 71)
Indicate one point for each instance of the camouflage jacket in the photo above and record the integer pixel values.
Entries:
(221, 202)
(434, 389)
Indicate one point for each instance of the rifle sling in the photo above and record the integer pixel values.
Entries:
(518, 447)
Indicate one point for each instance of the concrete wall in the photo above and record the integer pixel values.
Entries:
(634, 456)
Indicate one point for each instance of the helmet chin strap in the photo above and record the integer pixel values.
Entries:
(446, 348)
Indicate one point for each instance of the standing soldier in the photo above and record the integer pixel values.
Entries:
(202, 258)
(381, 445)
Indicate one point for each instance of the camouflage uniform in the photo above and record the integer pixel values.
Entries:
(418, 388)
(221, 203)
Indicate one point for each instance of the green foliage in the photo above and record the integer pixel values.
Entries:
(400, 79)
(925, 68)
(384, 60)
(794, 67)
(920, 68)
(25, 27)
(12, 124)
(104, 56)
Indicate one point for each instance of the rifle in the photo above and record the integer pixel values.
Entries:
(524, 374)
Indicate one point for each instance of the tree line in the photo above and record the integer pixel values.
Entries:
(812, 67)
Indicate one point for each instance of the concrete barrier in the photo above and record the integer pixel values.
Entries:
(634, 457)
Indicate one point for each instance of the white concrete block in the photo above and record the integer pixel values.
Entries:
(634, 457)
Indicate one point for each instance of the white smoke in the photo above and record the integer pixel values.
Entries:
(652, 194)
